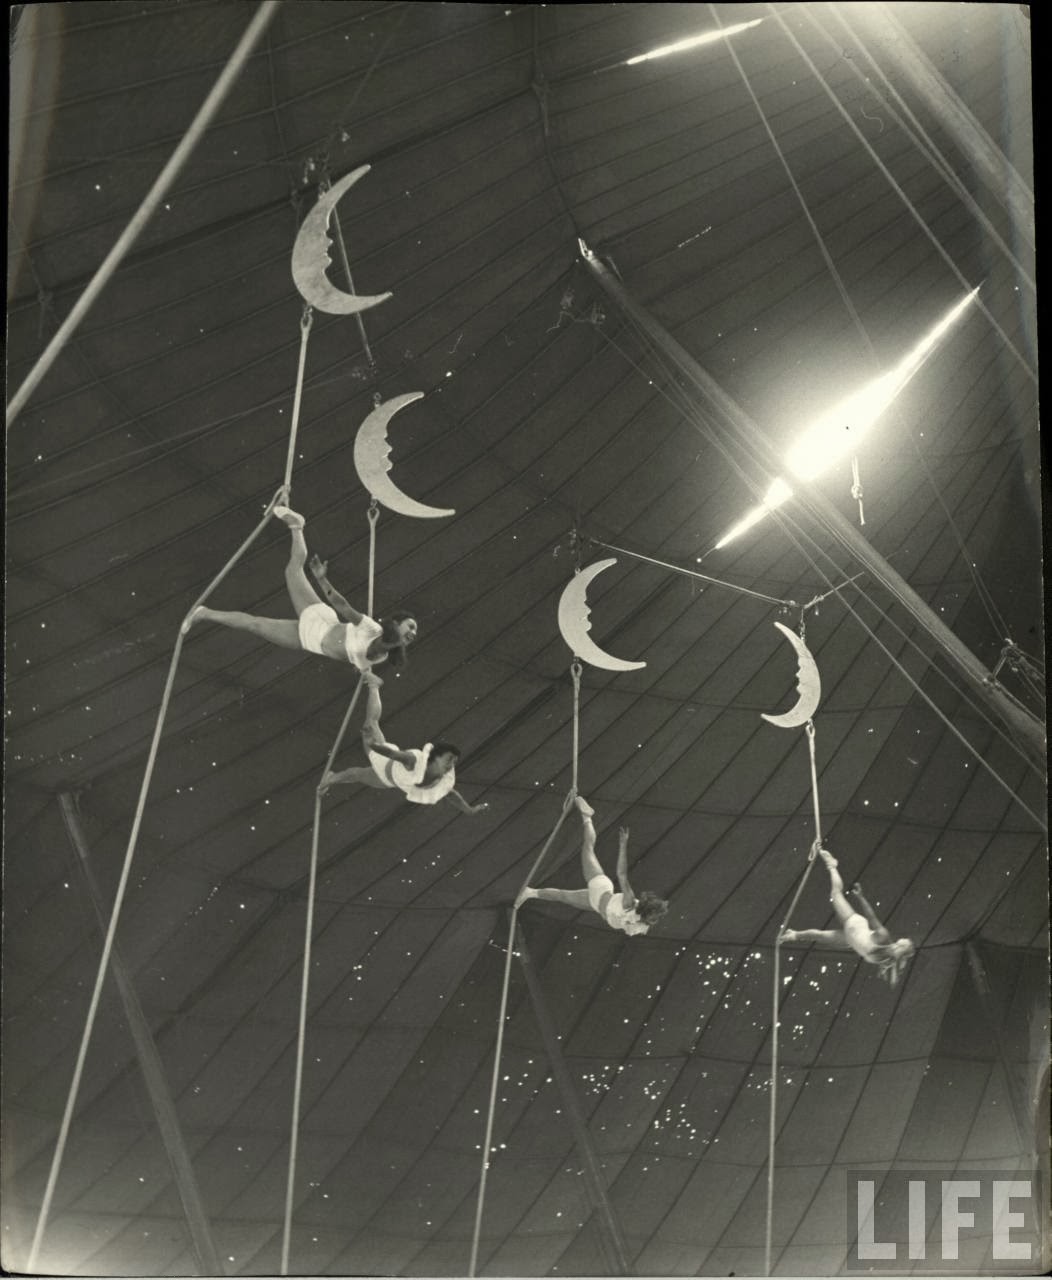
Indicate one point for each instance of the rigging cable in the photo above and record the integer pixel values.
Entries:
(713, 433)
(575, 672)
(918, 135)
(856, 488)
(1020, 358)
(692, 414)
(301, 1034)
(693, 573)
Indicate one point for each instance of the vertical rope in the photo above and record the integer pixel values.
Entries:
(301, 1034)
(372, 516)
(153, 198)
(776, 995)
(111, 932)
(306, 320)
(772, 1121)
(575, 672)
(810, 729)
(480, 1203)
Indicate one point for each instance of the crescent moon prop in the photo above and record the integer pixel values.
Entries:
(808, 685)
(372, 460)
(310, 256)
(574, 615)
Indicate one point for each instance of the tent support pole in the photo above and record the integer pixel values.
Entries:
(981, 681)
(610, 1234)
(150, 1063)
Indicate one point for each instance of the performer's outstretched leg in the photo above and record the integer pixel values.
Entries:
(841, 906)
(277, 631)
(590, 867)
(301, 593)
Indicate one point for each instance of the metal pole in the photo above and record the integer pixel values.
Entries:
(610, 1234)
(982, 682)
(1001, 176)
(150, 1063)
(154, 196)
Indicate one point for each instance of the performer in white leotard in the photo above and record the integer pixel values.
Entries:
(424, 774)
(864, 934)
(624, 910)
(358, 639)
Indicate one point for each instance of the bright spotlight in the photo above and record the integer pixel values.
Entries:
(774, 497)
(838, 432)
(692, 42)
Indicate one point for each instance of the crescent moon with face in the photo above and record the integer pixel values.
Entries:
(372, 460)
(808, 685)
(574, 623)
(310, 256)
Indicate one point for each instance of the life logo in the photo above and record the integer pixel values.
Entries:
(975, 1222)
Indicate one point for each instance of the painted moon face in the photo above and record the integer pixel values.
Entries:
(808, 685)
(372, 460)
(574, 615)
(310, 256)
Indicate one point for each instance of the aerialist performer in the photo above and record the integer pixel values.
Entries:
(863, 934)
(424, 775)
(358, 639)
(627, 911)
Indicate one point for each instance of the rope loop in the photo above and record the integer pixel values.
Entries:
(373, 514)
(306, 319)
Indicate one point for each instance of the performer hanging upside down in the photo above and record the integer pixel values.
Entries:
(861, 933)
(358, 639)
(624, 910)
(424, 775)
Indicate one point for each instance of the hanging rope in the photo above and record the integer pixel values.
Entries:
(129, 855)
(308, 932)
(776, 991)
(575, 672)
(306, 320)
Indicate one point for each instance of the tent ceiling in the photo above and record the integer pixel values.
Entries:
(497, 137)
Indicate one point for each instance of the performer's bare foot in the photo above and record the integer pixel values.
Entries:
(195, 615)
(289, 517)
(525, 893)
(585, 808)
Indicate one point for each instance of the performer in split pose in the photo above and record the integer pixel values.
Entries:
(624, 910)
(861, 933)
(362, 641)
